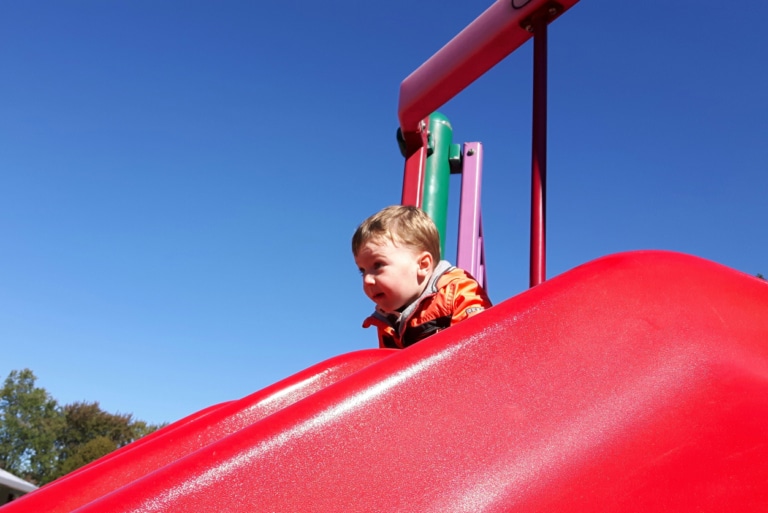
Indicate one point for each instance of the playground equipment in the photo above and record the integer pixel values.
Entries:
(636, 382)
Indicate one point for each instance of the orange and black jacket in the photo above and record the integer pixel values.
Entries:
(451, 296)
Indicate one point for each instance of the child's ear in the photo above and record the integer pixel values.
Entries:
(425, 263)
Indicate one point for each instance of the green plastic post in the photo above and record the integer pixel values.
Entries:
(437, 174)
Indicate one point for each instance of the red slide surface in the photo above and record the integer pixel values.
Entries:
(637, 382)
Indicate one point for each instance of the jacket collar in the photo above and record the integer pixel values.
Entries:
(400, 322)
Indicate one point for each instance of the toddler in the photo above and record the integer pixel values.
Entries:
(416, 294)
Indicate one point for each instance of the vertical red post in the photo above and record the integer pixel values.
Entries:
(539, 152)
(415, 166)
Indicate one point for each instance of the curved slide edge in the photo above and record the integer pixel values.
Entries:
(187, 435)
(637, 382)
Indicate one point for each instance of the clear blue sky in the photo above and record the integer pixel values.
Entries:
(179, 181)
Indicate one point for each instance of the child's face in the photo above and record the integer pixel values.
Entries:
(393, 276)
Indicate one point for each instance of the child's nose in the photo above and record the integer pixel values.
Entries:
(368, 279)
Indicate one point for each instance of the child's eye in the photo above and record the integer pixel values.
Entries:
(378, 265)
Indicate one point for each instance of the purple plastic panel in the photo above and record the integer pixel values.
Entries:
(471, 253)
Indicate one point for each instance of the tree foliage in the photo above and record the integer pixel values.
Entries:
(40, 440)
(85, 453)
(30, 421)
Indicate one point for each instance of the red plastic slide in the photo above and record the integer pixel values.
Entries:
(637, 382)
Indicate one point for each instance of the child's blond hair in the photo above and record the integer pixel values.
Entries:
(409, 226)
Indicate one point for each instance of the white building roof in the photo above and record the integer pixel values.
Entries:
(15, 483)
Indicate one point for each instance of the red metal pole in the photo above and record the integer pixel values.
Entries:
(539, 152)
(415, 167)
(493, 35)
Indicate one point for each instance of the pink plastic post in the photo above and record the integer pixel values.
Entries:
(470, 255)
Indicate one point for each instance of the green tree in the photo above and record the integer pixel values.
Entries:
(87, 421)
(760, 276)
(30, 422)
(90, 433)
(86, 453)
(41, 441)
